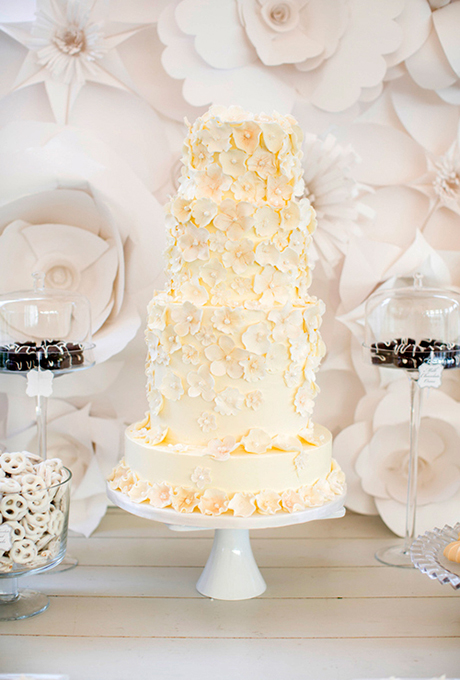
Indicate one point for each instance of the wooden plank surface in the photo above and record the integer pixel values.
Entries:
(331, 612)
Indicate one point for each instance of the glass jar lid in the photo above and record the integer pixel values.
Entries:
(405, 327)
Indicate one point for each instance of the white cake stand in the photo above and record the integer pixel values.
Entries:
(231, 572)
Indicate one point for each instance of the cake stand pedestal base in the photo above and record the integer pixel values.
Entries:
(231, 554)
(231, 572)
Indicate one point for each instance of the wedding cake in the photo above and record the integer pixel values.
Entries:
(234, 341)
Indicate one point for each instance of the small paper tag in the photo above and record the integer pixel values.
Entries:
(430, 375)
(39, 383)
(5, 537)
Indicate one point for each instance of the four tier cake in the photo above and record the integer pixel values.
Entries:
(234, 341)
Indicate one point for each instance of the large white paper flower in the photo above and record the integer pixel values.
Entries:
(334, 194)
(374, 455)
(430, 47)
(259, 53)
(70, 208)
(68, 43)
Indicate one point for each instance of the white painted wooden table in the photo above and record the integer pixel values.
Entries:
(330, 612)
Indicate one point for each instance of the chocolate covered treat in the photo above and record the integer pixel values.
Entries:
(408, 354)
(53, 355)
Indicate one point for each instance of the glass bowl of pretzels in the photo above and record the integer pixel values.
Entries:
(34, 510)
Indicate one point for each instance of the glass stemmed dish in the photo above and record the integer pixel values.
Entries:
(417, 330)
(44, 334)
(36, 541)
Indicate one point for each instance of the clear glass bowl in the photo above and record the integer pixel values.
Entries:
(45, 329)
(406, 327)
(37, 519)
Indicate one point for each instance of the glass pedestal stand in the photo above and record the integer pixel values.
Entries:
(231, 572)
(19, 605)
(399, 555)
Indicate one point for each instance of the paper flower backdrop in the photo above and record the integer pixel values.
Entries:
(375, 86)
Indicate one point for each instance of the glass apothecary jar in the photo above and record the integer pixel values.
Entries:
(416, 330)
(45, 329)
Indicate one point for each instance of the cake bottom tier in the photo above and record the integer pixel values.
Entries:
(241, 485)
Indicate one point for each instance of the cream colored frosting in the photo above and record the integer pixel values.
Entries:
(276, 470)
(234, 342)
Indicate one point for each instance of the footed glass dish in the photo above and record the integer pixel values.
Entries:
(33, 533)
(44, 333)
(416, 330)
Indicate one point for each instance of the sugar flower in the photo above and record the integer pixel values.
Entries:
(187, 319)
(238, 255)
(213, 272)
(169, 340)
(201, 476)
(216, 136)
(255, 339)
(288, 261)
(220, 449)
(292, 501)
(303, 402)
(286, 443)
(201, 384)
(234, 218)
(254, 399)
(194, 243)
(229, 401)
(217, 242)
(279, 190)
(249, 187)
(155, 435)
(267, 253)
(213, 502)
(207, 422)
(194, 292)
(171, 386)
(290, 216)
(160, 495)
(184, 499)
(246, 136)
(263, 163)
(268, 502)
(181, 209)
(256, 441)
(203, 211)
(140, 491)
(233, 162)
(155, 400)
(299, 348)
(253, 367)
(227, 319)
(288, 322)
(266, 221)
(191, 355)
(272, 285)
(242, 504)
(156, 316)
(294, 375)
(206, 335)
(212, 183)
(225, 357)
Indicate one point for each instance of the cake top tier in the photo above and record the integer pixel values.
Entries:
(253, 150)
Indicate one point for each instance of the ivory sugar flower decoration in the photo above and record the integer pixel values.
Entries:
(69, 43)
(262, 53)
